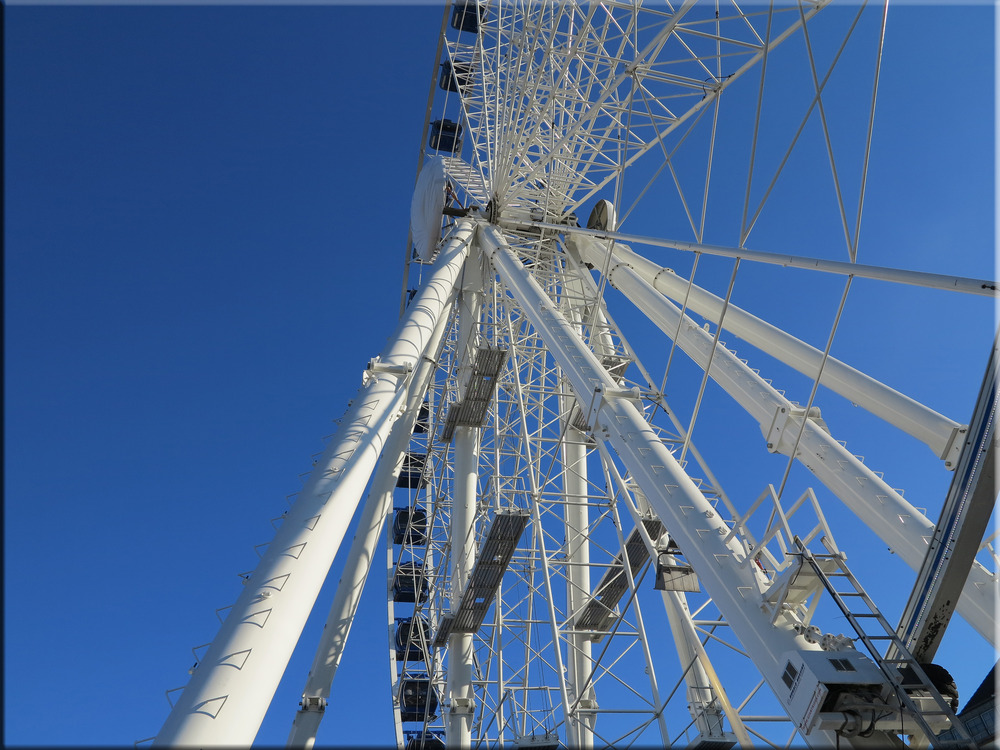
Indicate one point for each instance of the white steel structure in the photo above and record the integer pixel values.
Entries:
(564, 567)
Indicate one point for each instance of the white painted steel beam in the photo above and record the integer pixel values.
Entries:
(706, 696)
(461, 697)
(900, 525)
(358, 562)
(719, 558)
(229, 693)
(579, 662)
(576, 519)
(941, 434)
(962, 284)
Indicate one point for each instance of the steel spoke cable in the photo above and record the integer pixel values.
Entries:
(744, 231)
(540, 543)
(527, 99)
(611, 473)
(651, 49)
(492, 103)
(815, 386)
(805, 119)
(826, 128)
(677, 333)
(505, 103)
(715, 125)
(746, 20)
(490, 139)
(618, 194)
(871, 128)
(711, 357)
(666, 160)
(597, 663)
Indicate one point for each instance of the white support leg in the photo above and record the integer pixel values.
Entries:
(580, 729)
(461, 697)
(900, 525)
(941, 434)
(458, 719)
(357, 565)
(718, 556)
(228, 694)
(579, 662)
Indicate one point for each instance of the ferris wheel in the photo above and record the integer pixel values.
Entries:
(610, 533)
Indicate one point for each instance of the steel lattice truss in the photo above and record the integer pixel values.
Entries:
(560, 98)
(517, 672)
(543, 466)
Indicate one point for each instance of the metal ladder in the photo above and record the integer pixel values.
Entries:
(468, 178)
(902, 670)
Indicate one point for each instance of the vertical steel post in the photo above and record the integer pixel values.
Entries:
(458, 716)
(575, 515)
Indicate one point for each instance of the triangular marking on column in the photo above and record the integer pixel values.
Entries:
(211, 707)
(278, 582)
(236, 659)
(257, 618)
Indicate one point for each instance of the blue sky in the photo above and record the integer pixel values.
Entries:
(206, 216)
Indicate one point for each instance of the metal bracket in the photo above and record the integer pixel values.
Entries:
(313, 703)
(376, 365)
(780, 434)
(953, 450)
(602, 393)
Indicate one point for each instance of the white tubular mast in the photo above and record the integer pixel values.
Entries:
(458, 719)
(226, 699)
(941, 434)
(900, 525)
(722, 564)
(359, 559)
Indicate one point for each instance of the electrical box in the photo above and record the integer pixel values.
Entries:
(816, 681)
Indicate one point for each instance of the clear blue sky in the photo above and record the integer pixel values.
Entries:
(206, 216)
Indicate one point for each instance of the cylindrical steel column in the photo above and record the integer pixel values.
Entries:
(458, 716)
(580, 732)
(228, 694)
(359, 559)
